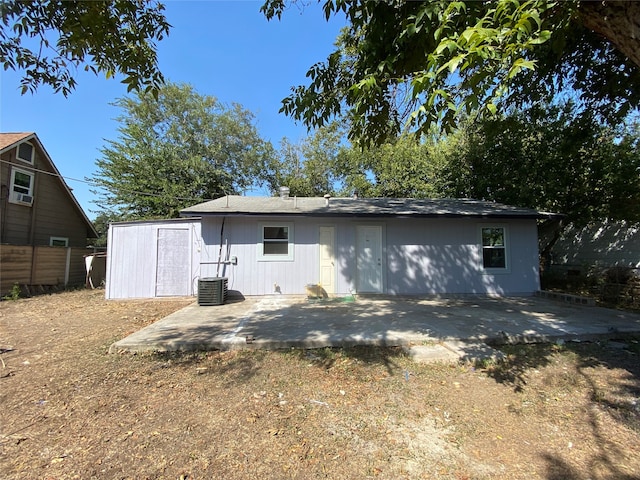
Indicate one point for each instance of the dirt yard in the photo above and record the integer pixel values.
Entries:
(70, 410)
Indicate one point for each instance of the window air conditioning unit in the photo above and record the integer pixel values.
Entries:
(24, 198)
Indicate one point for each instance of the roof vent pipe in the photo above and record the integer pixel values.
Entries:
(326, 200)
(284, 193)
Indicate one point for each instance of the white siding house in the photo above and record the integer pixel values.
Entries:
(282, 245)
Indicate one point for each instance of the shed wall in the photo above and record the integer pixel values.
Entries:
(132, 258)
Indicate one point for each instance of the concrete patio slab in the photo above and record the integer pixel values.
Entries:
(461, 325)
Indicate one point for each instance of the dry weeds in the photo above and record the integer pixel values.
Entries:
(70, 410)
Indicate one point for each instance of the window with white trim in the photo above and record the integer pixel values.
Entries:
(26, 152)
(58, 242)
(21, 186)
(494, 248)
(275, 242)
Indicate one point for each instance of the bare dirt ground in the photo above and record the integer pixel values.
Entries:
(70, 410)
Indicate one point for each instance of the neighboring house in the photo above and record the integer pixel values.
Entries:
(601, 245)
(282, 245)
(38, 210)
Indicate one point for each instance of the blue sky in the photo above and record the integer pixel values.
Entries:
(226, 49)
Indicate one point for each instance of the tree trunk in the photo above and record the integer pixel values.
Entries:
(618, 22)
(549, 233)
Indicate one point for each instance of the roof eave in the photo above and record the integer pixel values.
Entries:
(506, 216)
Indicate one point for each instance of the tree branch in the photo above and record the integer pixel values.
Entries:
(618, 22)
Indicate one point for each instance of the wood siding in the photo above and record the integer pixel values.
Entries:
(434, 256)
(419, 257)
(34, 266)
(253, 277)
(132, 259)
(52, 214)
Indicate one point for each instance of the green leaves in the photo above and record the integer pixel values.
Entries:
(177, 150)
(405, 66)
(310, 167)
(552, 158)
(117, 38)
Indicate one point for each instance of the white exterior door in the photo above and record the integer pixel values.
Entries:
(327, 259)
(173, 269)
(369, 259)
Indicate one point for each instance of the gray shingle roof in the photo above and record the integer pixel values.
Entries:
(234, 205)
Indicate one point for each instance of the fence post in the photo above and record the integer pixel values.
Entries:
(67, 267)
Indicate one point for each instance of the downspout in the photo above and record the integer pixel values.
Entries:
(220, 251)
(67, 267)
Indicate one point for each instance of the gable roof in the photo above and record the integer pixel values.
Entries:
(11, 140)
(233, 205)
(8, 140)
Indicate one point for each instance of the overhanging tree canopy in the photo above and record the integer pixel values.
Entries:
(49, 39)
(409, 65)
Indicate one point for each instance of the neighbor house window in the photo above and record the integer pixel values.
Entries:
(25, 152)
(21, 187)
(275, 241)
(494, 248)
(58, 242)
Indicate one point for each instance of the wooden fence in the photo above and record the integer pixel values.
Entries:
(41, 266)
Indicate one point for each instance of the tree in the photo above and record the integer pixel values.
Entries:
(404, 169)
(402, 65)
(180, 149)
(101, 224)
(49, 39)
(308, 169)
(553, 159)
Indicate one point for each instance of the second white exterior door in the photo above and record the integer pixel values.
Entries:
(369, 259)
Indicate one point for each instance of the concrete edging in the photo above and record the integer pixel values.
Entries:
(566, 297)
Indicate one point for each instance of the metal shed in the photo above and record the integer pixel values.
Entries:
(156, 258)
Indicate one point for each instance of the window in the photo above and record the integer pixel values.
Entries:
(58, 242)
(21, 189)
(25, 152)
(494, 248)
(276, 242)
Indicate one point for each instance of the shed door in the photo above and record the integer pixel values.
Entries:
(369, 258)
(173, 270)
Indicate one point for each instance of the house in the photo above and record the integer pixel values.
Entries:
(339, 246)
(37, 213)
